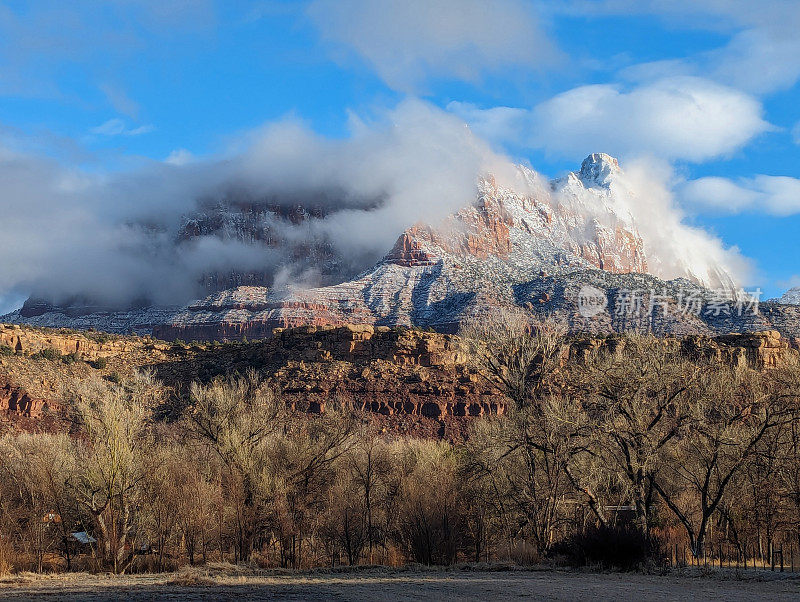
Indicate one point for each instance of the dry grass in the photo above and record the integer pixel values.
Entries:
(465, 582)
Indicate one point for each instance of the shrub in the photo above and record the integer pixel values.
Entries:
(6, 350)
(71, 358)
(47, 354)
(98, 337)
(114, 377)
(100, 363)
(619, 547)
(7, 556)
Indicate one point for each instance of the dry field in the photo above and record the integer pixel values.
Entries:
(402, 584)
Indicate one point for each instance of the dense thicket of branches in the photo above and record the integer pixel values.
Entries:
(697, 454)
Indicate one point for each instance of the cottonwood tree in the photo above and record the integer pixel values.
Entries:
(303, 465)
(40, 468)
(544, 439)
(732, 411)
(196, 502)
(516, 351)
(636, 398)
(527, 464)
(370, 465)
(430, 516)
(236, 418)
(114, 456)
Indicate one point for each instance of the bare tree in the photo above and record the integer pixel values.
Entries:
(430, 518)
(517, 351)
(636, 398)
(114, 456)
(731, 413)
(370, 465)
(41, 467)
(236, 417)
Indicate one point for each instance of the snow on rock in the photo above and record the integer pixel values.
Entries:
(791, 297)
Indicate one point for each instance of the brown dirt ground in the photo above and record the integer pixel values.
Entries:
(387, 584)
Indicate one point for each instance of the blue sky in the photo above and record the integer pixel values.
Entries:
(706, 89)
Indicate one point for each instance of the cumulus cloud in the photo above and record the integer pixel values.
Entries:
(114, 237)
(409, 41)
(776, 195)
(673, 118)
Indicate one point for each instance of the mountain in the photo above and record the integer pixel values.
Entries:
(790, 297)
(543, 246)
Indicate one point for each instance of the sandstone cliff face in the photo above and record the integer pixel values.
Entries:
(759, 350)
(28, 341)
(16, 402)
(381, 370)
(414, 381)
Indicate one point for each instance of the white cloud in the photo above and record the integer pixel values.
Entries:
(796, 133)
(179, 157)
(761, 56)
(643, 196)
(117, 127)
(672, 118)
(775, 195)
(409, 41)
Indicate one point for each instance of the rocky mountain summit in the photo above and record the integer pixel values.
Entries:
(548, 247)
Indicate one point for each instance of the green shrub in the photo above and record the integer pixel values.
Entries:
(71, 358)
(47, 354)
(100, 363)
(114, 377)
(98, 337)
(6, 350)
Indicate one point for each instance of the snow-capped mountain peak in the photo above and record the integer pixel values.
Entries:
(599, 170)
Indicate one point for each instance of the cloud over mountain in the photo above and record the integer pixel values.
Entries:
(112, 236)
(674, 118)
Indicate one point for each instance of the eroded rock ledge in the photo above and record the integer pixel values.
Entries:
(412, 377)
